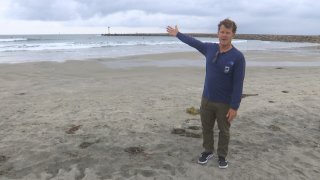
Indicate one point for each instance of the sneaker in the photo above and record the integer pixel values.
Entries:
(204, 157)
(223, 163)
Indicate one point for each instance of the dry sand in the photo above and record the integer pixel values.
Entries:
(85, 120)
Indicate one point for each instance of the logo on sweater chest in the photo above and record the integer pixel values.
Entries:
(226, 69)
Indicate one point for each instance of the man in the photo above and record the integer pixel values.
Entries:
(225, 70)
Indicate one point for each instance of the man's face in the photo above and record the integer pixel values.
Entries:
(225, 35)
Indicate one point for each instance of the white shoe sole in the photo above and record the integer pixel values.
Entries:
(223, 167)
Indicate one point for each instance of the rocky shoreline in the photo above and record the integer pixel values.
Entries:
(285, 38)
(262, 37)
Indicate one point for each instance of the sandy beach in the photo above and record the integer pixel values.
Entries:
(99, 119)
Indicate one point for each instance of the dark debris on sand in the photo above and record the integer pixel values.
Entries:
(193, 111)
(73, 129)
(247, 95)
(134, 150)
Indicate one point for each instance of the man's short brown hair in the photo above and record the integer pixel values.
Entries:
(228, 24)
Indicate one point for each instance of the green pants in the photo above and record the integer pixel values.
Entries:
(210, 112)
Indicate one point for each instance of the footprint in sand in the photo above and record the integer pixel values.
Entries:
(274, 127)
(190, 128)
(188, 132)
(84, 145)
(3, 158)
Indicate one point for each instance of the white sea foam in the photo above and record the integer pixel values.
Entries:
(13, 39)
(31, 48)
(73, 45)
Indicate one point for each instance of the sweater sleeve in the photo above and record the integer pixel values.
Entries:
(238, 78)
(200, 46)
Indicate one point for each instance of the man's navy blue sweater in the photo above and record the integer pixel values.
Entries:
(224, 77)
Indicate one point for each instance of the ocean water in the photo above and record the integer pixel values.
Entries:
(59, 48)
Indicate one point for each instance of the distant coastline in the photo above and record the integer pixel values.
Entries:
(262, 37)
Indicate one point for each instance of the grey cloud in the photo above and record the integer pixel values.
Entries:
(43, 10)
(263, 15)
(72, 9)
(59, 10)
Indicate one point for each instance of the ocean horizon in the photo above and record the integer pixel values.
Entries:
(63, 47)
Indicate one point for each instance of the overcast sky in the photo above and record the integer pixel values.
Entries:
(152, 16)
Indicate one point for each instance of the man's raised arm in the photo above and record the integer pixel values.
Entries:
(200, 46)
